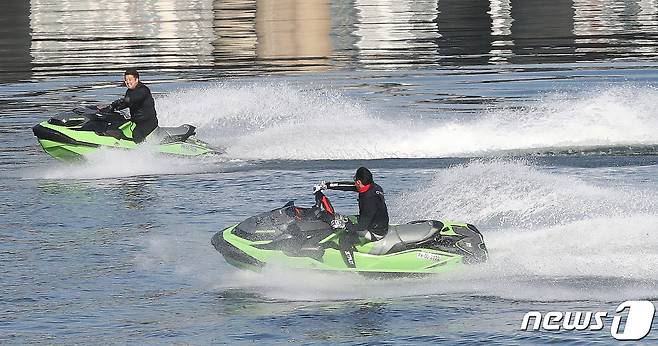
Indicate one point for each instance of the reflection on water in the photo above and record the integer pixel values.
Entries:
(465, 28)
(59, 37)
(616, 28)
(135, 194)
(15, 61)
(84, 35)
(234, 24)
(291, 32)
(501, 30)
(542, 31)
(393, 32)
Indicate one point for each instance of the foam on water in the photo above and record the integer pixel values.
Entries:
(111, 163)
(282, 121)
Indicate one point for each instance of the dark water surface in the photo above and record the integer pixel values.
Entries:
(198, 38)
(534, 120)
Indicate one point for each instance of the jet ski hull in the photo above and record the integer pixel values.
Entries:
(243, 254)
(399, 253)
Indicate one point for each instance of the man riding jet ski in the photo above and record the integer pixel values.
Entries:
(84, 130)
(372, 222)
(373, 213)
(139, 100)
(304, 238)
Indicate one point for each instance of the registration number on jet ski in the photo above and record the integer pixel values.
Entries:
(428, 256)
(187, 147)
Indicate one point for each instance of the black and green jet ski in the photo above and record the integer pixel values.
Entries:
(84, 130)
(296, 237)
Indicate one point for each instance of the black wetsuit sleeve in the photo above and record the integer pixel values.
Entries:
(365, 216)
(121, 103)
(341, 186)
(132, 98)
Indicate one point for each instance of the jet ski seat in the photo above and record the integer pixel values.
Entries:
(174, 134)
(389, 244)
(399, 236)
(417, 231)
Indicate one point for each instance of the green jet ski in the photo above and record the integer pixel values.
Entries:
(83, 130)
(301, 238)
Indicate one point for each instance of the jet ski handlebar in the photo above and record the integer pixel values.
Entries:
(339, 185)
(109, 113)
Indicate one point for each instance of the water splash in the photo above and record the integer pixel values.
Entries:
(522, 267)
(547, 230)
(282, 121)
(114, 163)
(513, 194)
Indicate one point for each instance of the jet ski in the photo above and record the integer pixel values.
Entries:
(83, 130)
(301, 238)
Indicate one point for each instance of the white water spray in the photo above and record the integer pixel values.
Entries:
(280, 121)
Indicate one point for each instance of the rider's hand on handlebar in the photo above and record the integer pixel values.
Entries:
(338, 222)
(104, 110)
(319, 187)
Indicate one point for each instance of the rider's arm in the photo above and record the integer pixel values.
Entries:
(341, 185)
(119, 104)
(132, 98)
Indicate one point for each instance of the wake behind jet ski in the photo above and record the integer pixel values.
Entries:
(84, 130)
(301, 238)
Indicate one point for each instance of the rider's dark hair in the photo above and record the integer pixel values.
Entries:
(133, 72)
(364, 175)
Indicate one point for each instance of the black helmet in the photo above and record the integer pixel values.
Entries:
(364, 175)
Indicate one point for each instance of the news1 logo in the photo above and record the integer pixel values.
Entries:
(636, 326)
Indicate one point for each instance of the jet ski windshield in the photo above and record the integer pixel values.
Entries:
(287, 219)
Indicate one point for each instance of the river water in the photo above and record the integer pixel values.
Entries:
(533, 120)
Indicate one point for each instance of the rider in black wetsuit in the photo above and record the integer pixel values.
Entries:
(372, 222)
(373, 214)
(142, 106)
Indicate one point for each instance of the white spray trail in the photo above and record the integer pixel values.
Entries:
(544, 224)
(280, 121)
(514, 194)
(114, 163)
